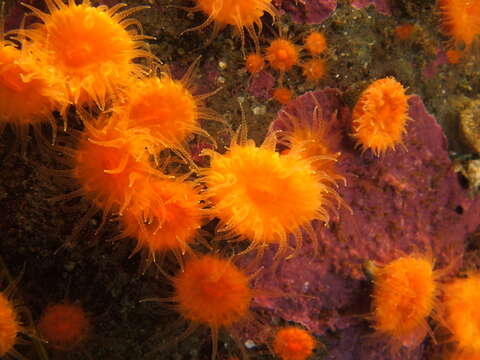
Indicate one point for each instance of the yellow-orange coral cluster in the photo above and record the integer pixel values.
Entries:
(132, 159)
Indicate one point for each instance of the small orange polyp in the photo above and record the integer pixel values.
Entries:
(64, 326)
(314, 69)
(282, 55)
(315, 43)
(283, 95)
(293, 343)
(254, 63)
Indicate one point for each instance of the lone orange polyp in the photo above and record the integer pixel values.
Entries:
(315, 43)
(404, 296)
(212, 291)
(242, 15)
(64, 326)
(254, 63)
(293, 343)
(380, 115)
(282, 55)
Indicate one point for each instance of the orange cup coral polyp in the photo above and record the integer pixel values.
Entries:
(64, 326)
(28, 92)
(106, 167)
(165, 109)
(9, 326)
(293, 343)
(213, 292)
(282, 54)
(245, 14)
(380, 115)
(460, 312)
(263, 196)
(404, 296)
(90, 46)
(165, 215)
(461, 20)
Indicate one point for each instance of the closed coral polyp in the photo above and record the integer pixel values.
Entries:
(212, 291)
(380, 115)
(263, 196)
(90, 46)
(293, 343)
(9, 326)
(64, 326)
(404, 295)
(315, 43)
(460, 312)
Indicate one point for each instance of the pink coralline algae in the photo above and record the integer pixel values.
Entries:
(407, 200)
(382, 6)
(261, 85)
(307, 11)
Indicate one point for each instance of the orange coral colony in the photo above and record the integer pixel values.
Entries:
(314, 69)
(64, 326)
(461, 20)
(282, 55)
(380, 115)
(254, 63)
(9, 326)
(293, 343)
(242, 15)
(315, 43)
(165, 215)
(213, 292)
(404, 295)
(460, 313)
(263, 196)
(91, 47)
